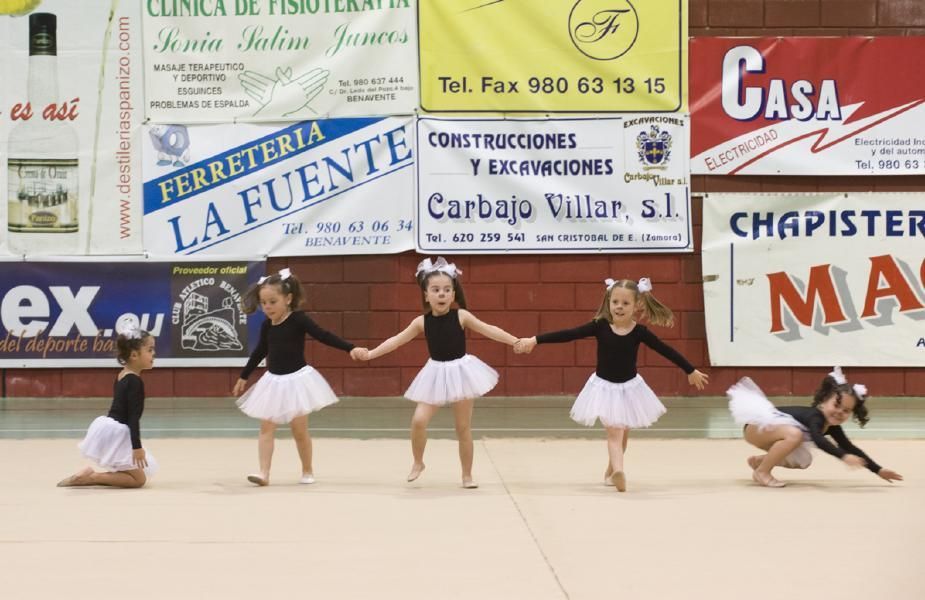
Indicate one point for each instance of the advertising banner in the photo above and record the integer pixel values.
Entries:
(553, 56)
(63, 314)
(617, 184)
(272, 60)
(815, 280)
(70, 115)
(333, 186)
(807, 106)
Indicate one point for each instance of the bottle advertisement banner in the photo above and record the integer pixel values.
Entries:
(808, 106)
(275, 60)
(333, 186)
(70, 114)
(553, 56)
(617, 184)
(63, 314)
(815, 279)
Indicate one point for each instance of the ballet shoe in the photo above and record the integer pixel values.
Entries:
(469, 484)
(307, 479)
(258, 480)
(767, 481)
(618, 479)
(415, 472)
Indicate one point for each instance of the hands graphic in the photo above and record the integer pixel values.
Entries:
(284, 95)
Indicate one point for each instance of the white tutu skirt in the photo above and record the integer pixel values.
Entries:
(444, 382)
(631, 404)
(108, 443)
(749, 406)
(282, 398)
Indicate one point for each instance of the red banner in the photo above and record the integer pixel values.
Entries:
(807, 106)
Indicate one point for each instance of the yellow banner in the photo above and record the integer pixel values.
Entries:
(553, 55)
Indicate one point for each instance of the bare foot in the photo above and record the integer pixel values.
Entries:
(258, 479)
(416, 470)
(767, 480)
(607, 475)
(618, 479)
(469, 484)
(755, 461)
(77, 478)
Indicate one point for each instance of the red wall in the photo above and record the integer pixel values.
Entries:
(367, 299)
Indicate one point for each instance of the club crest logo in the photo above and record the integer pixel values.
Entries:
(654, 148)
(206, 313)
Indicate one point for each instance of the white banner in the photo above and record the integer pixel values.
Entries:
(815, 280)
(616, 184)
(70, 115)
(333, 186)
(266, 60)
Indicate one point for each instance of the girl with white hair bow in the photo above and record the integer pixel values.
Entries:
(616, 393)
(787, 433)
(451, 375)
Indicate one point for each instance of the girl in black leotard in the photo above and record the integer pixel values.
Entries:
(615, 393)
(451, 376)
(114, 441)
(290, 389)
(787, 433)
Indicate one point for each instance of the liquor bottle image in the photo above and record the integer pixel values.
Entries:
(42, 165)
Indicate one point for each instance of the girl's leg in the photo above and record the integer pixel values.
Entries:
(134, 478)
(615, 445)
(609, 472)
(778, 441)
(463, 411)
(264, 452)
(422, 416)
(303, 443)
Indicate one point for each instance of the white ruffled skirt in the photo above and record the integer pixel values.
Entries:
(630, 404)
(749, 406)
(282, 398)
(444, 382)
(108, 443)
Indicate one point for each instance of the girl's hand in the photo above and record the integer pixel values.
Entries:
(889, 475)
(138, 458)
(853, 461)
(359, 354)
(239, 386)
(525, 345)
(698, 379)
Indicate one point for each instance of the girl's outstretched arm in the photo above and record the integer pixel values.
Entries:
(413, 330)
(468, 320)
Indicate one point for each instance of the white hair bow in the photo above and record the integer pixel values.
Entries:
(128, 326)
(609, 282)
(284, 274)
(860, 390)
(644, 285)
(427, 266)
(838, 376)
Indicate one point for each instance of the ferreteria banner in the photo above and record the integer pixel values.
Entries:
(271, 60)
(807, 106)
(63, 314)
(70, 115)
(553, 56)
(617, 184)
(333, 186)
(819, 279)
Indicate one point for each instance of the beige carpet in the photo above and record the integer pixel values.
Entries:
(692, 525)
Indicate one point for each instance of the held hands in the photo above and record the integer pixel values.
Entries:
(359, 354)
(853, 461)
(889, 475)
(698, 379)
(239, 386)
(138, 458)
(525, 345)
